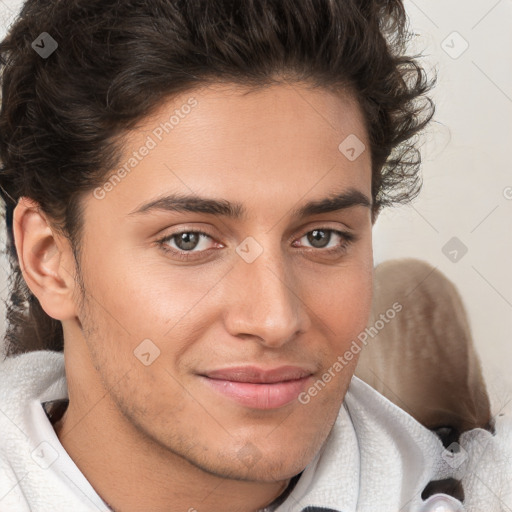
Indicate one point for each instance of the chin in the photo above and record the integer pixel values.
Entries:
(265, 470)
(264, 461)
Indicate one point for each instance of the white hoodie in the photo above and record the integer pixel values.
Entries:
(377, 458)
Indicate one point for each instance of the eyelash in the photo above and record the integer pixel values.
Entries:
(347, 240)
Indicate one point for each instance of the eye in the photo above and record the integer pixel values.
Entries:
(194, 244)
(320, 238)
(185, 242)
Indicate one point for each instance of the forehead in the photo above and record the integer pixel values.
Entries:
(280, 142)
(295, 113)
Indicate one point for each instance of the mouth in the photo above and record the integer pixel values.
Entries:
(259, 388)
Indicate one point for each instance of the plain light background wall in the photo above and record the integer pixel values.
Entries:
(466, 200)
(467, 191)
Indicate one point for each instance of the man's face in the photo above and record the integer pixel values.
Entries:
(181, 347)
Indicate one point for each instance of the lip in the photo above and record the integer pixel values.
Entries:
(259, 388)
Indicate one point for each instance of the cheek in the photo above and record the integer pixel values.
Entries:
(159, 301)
(145, 299)
(342, 300)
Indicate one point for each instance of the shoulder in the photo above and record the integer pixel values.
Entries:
(28, 445)
(29, 372)
(399, 457)
(486, 471)
(395, 443)
(373, 413)
(25, 380)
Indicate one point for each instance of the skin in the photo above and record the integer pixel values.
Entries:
(150, 436)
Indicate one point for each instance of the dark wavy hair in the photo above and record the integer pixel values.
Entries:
(63, 117)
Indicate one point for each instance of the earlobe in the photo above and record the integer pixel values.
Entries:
(42, 259)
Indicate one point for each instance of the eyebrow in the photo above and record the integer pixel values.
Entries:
(193, 203)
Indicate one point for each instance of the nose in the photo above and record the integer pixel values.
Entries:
(266, 302)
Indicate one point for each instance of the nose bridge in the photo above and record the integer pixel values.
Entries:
(268, 304)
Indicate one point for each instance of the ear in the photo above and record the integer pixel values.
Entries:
(45, 259)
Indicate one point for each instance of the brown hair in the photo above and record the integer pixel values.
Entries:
(63, 116)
